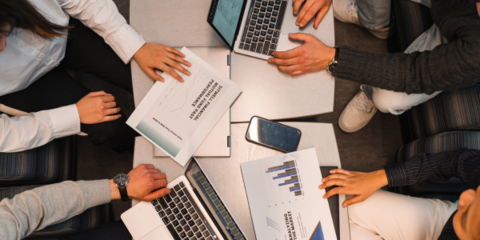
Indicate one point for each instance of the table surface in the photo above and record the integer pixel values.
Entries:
(226, 176)
(266, 91)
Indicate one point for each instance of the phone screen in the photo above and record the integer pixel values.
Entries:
(274, 135)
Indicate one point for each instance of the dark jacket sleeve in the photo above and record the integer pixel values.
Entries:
(463, 164)
(448, 66)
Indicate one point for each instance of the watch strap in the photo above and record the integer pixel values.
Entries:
(123, 193)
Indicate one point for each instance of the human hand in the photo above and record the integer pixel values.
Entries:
(156, 56)
(97, 107)
(363, 185)
(309, 9)
(312, 56)
(146, 183)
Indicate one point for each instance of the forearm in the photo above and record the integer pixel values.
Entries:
(102, 16)
(43, 206)
(462, 163)
(448, 66)
(36, 129)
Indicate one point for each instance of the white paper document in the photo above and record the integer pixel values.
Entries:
(177, 117)
(284, 198)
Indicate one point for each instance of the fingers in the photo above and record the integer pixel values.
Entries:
(157, 194)
(320, 16)
(108, 98)
(334, 191)
(334, 182)
(110, 105)
(334, 176)
(340, 171)
(283, 62)
(309, 10)
(353, 200)
(97, 94)
(179, 59)
(158, 175)
(300, 36)
(296, 6)
(148, 166)
(111, 118)
(174, 51)
(286, 54)
(151, 73)
(170, 71)
(289, 69)
(178, 66)
(112, 111)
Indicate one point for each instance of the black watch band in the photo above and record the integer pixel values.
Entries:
(331, 65)
(124, 194)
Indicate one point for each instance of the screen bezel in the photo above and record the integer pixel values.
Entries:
(194, 161)
(211, 14)
(269, 146)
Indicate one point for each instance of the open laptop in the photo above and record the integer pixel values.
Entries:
(193, 210)
(256, 27)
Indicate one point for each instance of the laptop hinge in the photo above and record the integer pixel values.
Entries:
(229, 141)
(228, 59)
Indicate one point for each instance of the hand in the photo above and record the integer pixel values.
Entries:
(312, 56)
(363, 185)
(154, 55)
(309, 9)
(146, 183)
(97, 107)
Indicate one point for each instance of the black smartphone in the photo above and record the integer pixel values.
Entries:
(273, 135)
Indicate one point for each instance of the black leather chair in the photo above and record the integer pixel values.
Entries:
(447, 122)
(54, 162)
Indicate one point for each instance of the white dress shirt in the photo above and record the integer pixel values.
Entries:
(27, 57)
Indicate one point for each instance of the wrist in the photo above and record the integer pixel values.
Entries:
(381, 177)
(330, 56)
(114, 192)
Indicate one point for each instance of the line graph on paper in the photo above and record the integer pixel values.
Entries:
(194, 76)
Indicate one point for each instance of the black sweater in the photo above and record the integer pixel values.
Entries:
(448, 66)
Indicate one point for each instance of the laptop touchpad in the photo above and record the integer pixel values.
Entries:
(289, 26)
(161, 232)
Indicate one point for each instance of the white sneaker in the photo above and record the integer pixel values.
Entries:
(358, 112)
(346, 11)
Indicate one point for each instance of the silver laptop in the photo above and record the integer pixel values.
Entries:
(193, 210)
(256, 27)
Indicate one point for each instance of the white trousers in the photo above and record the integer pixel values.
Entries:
(375, 14)
(391, 216)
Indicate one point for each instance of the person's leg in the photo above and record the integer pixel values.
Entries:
(395, 102)
(56, 89)
(374, 14)
(87, 52)
(110, 231)
(399, 217)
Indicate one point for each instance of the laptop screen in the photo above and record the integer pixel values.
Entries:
(224, 17)
(211, 200)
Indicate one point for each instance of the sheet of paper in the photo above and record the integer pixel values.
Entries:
(177, 117)
(284, 198)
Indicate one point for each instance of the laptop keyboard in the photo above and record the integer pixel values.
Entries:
(181, 216)
(262, 28)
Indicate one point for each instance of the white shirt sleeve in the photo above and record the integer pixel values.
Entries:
(37, 129)
(102, 16)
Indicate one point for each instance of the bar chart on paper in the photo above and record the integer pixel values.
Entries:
(282, 182)
(287, 176)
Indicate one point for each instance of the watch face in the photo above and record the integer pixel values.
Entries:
(121, 180)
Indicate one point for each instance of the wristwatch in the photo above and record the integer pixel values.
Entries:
(121, 181)
(331, 65)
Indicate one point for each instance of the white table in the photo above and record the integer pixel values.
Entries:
(266, 91)
(226, 176)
